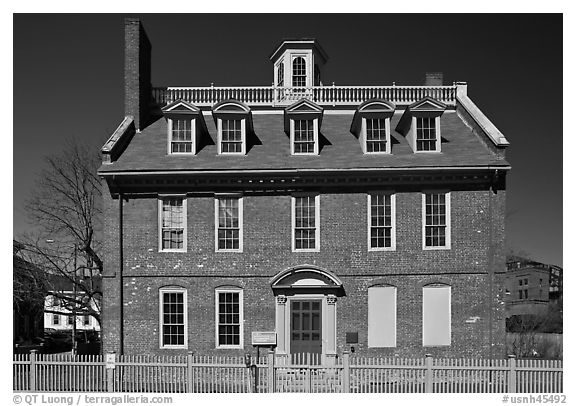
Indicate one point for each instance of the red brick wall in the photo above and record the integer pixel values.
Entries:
(267, 251)
(137, 70)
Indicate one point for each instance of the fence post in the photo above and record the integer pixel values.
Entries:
(110, 367)
(33, 370)
(271, 377)
(428, 380)
(346, 372)
(512, 374)
(190, 372)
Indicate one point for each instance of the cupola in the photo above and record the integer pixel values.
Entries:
(298, 63)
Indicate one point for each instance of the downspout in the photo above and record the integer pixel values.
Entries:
(491, 252)
(121, 270)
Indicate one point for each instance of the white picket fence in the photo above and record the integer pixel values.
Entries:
(215, 374)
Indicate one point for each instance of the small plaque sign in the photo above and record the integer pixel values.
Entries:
(264, 338)
(110, 361)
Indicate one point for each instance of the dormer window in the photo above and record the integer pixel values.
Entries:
(185, 124)
(426, 134)
(233, 121)
(371, 124)
(181, 135)
(304, 137)
(232, 136)
(303, 120)
(420, 123)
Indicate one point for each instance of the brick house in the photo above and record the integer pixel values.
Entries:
(338, 217)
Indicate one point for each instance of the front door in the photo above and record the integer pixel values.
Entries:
(306, 326)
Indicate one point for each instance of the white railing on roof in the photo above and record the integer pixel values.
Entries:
(322, 95)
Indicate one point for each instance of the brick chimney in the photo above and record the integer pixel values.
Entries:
(434, 79)
(137, 64)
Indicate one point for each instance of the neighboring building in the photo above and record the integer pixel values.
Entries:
(27, 303)
(531, 287)
(370, 217)
(54, 319)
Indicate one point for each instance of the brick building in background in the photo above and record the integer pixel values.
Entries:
(338, 217)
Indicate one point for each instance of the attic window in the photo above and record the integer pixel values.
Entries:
(181, 135)
(377, 136)
(420, 123)
(302, 120)
(371, 124)
(426, 134)
(304, 136)
(185, 124)
(233, 120)
(232, 136)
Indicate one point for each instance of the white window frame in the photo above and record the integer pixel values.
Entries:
(56, 317)
(240, 221)
(86, 318)
(316, 223)
(393, 220)
(307, 62)
(438, 286)
(242, 134)
(375, 312)
(365, 136)
(240, 292)
(184, 214)
(161, 292)
(192, 134)
(448, 237)
(292, 136)
(415, 135)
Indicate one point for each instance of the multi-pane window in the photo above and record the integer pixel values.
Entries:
(229, 318)
(181, 136)
(376, 135)
(305, 222)
(56, 319)
(231, 141)
(70, 320)
(436, 220)
(304, 140)
(173, 223)
(280, 80)
(381, 212)
(229, 223)
(173, 317)
(86, 320)
(426, 134)
(436, 315)
(299, 72)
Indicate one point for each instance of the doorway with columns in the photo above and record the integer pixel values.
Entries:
(306, 302)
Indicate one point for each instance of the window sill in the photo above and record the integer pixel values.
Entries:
(446, 248)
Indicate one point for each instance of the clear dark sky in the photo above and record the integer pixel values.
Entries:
(68, 72)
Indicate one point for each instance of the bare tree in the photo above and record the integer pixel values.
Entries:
(66, 209)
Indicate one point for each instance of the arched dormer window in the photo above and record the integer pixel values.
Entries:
(371, 124)
(233, 121)
(299, 72)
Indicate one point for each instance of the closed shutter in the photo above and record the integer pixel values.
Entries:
(382, 316)
(436, 329)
